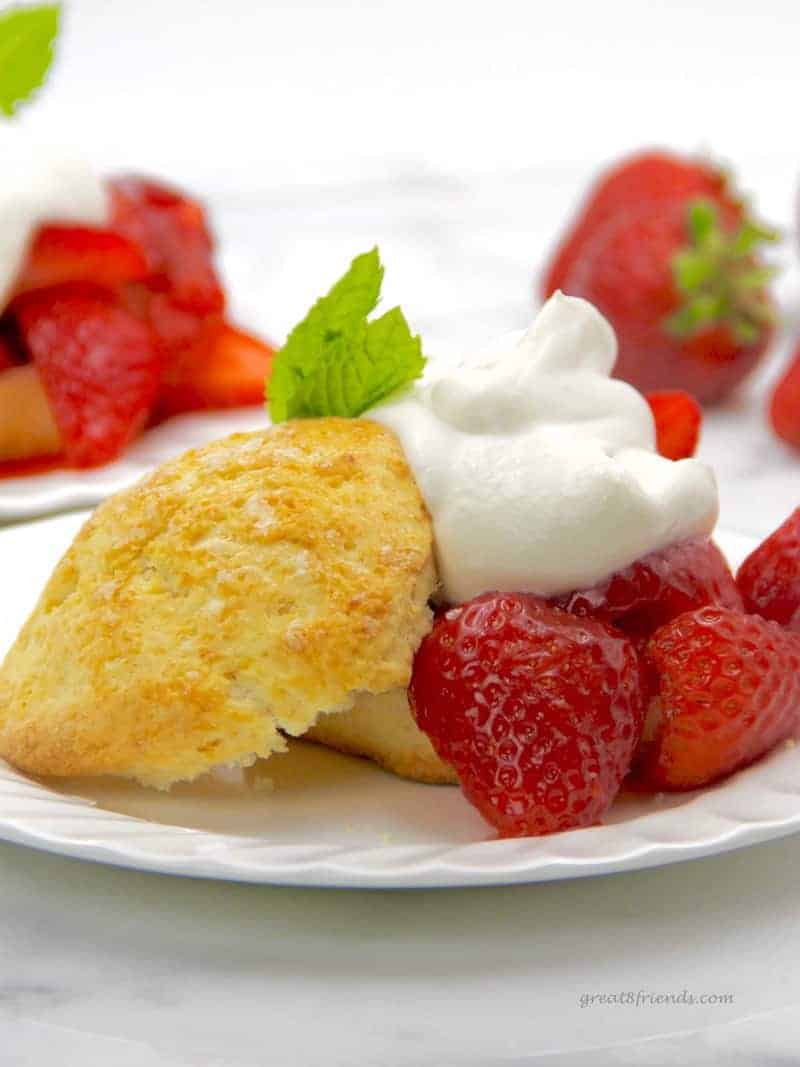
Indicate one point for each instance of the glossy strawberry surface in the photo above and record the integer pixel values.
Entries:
(769, 579)
(728, 692)
(538, 711)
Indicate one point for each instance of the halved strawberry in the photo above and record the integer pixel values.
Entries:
(678, 419)
(221, 368)
(80, 254)
(728, 692)
(100, 367)
(769, 579)
(173, 231)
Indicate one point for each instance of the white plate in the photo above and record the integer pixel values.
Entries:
(35, 495)
(332, 820)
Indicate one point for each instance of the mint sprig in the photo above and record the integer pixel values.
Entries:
(27, 35)
(338, 362)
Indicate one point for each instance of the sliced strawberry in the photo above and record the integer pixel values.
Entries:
(81, 254)
(173, 231)
(729, 691)
(99, 366)
(769, 579)
(221, 368)
(678, 420)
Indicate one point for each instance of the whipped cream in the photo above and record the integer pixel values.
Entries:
(40, 184)
(538, 469)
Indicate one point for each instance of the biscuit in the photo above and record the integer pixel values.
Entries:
(381, 727)
(227, 600)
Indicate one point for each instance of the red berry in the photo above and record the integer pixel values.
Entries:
(99, 366)
(704, 339)
(80, 254)
(223, 368)
(657, 588)
(785, 404)
(651, 176)
(173, 231)
(678, 419)
(729, 691)
(539, 712)
(769, 579)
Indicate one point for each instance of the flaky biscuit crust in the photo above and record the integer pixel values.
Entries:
(226, 600)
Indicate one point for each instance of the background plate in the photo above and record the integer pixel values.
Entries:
(61, 490)
(323, 819)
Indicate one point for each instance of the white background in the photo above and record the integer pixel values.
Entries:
(457, 136)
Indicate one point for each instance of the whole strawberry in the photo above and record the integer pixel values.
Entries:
(729, 691)
(683, 287)
(784, 409)
(686, 293)
(769, 579)
(539, 712)
(651, 176)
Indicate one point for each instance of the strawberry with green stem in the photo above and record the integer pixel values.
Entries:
(686, 292)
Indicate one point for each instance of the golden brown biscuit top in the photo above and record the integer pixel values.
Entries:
(237, 592)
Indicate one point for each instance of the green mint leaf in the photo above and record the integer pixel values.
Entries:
(27, 35)
(336, 361)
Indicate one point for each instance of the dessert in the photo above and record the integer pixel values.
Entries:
(665, 249)
(112, 316)
(486, 574)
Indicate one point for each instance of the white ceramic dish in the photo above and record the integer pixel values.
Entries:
(35, 495)
(330, 820)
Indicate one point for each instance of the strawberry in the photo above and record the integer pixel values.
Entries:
(686, 294)
(652, 176)
(657, 588)
(538, 711)
(784, 411)
(729, 691)
(172, 230)
(222, 368)
(100, 368)
(678, 419)
(769, 579)
(80, 254)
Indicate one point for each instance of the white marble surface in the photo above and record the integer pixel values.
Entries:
(455, 139)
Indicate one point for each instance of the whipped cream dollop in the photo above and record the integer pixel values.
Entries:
(539, 470)
(39, 184)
